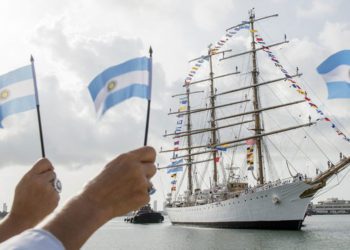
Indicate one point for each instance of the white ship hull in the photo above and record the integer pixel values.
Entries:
(277, 207)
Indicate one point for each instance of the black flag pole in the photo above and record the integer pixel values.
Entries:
(150, 94)
(38, 108)
(151, 189)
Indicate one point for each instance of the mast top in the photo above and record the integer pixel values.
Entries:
(150, 51)
(252, 19)
(252, 14)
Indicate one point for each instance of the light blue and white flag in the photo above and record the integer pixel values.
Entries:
(121, 82)
(174, 163)
(336, 72)
(17, 93)
(174, 170)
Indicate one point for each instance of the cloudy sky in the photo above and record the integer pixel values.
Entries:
(72, 41)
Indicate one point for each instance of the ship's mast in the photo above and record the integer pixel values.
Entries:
(213, 117)
(259, 132)
(189, 142)
(256, 104)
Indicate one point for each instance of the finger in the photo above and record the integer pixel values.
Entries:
(48, 176)
(149, 169)
(41, 166)
(145, 154)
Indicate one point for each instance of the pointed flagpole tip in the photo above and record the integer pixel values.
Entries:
(150, 51)
(31, 58)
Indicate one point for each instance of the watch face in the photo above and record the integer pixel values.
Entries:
(58, 185)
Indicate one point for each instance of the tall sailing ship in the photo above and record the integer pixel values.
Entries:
(226, 151)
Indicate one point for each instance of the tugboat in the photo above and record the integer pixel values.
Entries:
(2, 214)
(145, 215)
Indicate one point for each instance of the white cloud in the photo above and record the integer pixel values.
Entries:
(317, 9)
(335, 36)
(208, 14)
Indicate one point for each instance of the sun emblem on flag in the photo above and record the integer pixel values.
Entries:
(111, 85)
(4, 94)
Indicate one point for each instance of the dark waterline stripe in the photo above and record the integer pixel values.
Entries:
(274, 225)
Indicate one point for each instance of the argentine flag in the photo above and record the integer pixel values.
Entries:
(336, 72)
(17, 93)
(174, 170)
(121, 82)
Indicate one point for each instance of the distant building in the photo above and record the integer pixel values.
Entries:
(330, 206)
(155, 205)
(4, 207)
(164, 210)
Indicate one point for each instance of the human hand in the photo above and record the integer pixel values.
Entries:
(35, 196)
(123, 184)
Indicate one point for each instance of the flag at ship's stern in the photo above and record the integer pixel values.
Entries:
(121, 82)
(17, 93)
(336, 72)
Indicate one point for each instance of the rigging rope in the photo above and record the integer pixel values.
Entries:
(270, 162)
(330, 188)
(162, 186)
(277, 97)
(314, 93)
(295, 85)
(309, 87)
(218, 45)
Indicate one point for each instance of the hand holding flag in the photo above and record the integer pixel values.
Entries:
(116, 84)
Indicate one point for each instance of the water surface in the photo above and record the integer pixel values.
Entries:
(318, 232)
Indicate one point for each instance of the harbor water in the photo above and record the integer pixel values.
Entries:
(318, 232)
